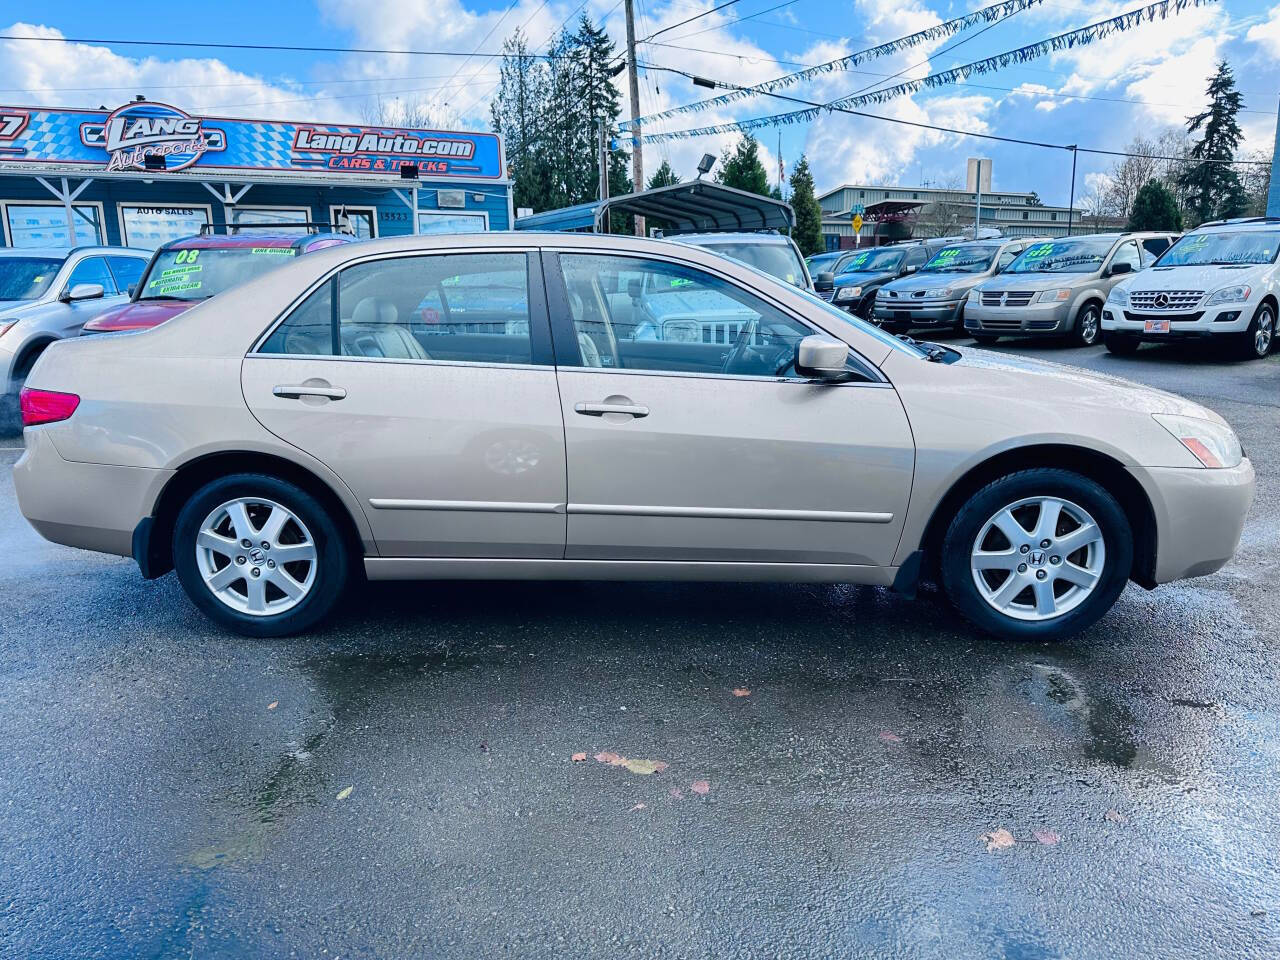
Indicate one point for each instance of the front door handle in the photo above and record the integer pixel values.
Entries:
(600, 409)
(299, 390)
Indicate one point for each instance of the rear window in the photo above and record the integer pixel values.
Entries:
(776, 259)
(198, 274)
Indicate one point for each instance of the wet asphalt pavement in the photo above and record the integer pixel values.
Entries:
(400, 784)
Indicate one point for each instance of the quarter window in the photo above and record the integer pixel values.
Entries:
(636, 314)
(467, 308)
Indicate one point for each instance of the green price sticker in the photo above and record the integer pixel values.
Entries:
(859, 260)
(1040, 252)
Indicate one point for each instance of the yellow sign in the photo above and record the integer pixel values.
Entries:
(857, 223)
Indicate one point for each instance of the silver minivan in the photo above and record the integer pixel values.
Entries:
(1058, 287)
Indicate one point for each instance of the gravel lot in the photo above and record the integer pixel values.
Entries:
(400, 784)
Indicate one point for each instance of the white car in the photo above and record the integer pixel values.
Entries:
(1218, 282)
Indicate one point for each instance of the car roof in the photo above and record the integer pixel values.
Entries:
(1247, 224)
(61, 253)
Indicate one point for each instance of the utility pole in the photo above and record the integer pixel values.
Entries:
(1071, 204)
(977, 208)
(602, 151)
(637, 154)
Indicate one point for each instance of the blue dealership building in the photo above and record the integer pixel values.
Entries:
(146, 172)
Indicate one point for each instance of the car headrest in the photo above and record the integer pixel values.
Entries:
(375, 310)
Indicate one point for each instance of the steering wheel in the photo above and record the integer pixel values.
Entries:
(741, 345)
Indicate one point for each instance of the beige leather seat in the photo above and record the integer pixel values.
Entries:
(373, 331)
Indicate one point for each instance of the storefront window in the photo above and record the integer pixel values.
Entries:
(45, 225)
(361, 221)
(450, 222)
(148, 227)
(243, 217)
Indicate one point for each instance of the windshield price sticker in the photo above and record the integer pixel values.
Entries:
(1043, 250)
(281, 251)
(859, 260)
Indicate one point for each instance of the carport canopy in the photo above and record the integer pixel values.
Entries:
(699, 206)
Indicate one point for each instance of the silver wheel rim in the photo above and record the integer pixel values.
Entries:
(1262, 339)
(256, 556)
(1089, 326)
(1038, 558)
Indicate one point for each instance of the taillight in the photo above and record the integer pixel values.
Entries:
(46, 406)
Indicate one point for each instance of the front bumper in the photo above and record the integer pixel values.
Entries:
(1199, 516)
(94, 506)
(1035, 319)
(929, 313)
(1194, 325)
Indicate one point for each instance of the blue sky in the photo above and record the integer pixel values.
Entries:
(1101, 95)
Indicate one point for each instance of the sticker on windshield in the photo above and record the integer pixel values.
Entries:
(859, 260)
(1042, 250)
(948, 254)
(284, 251)
(164, 287)
(183, 270)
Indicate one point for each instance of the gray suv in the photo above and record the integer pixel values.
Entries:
(1057, 287)
(935, 295)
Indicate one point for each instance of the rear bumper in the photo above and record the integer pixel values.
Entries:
(1199, 516)
(94, 506)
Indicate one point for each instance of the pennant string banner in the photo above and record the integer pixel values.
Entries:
(1063, 41)
(997, 11)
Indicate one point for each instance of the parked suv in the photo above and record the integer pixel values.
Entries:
(935, 296)
(771, 252)
(1058, 287)
(1217, 282)
(184, 272)
(46, 295)
(855, 288)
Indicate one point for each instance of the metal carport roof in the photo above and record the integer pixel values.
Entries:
(699, 206)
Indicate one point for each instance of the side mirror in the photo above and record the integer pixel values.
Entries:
(84, 291)
(821, 357)
(1119, 268)
(133, 288)
(824, 281)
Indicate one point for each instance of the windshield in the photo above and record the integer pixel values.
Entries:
(26, 278)
(1222, 249)
(849, 320)
(1063, 256)
(199, 274)
(776, 259)
(874, 261)
(964, 258)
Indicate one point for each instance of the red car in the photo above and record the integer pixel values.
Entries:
(184, 272)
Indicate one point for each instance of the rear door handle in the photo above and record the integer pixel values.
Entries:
(295, 391)
(600, 409)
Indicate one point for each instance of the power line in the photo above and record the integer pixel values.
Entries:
(725, 26)
(699, 16)
(485, 39)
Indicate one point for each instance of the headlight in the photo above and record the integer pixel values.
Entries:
(975, 296)
(1211, 443)
(1118, 295)
(681, 331)
(1237, 294)
(1054, 296)
(848, 293)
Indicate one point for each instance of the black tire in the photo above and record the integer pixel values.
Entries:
(332, 555)
(972, 517)
(1088, 328)
(985, 339)
(1250, 344)
(1121, 345)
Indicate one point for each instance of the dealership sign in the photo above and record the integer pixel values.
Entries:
(124, 139)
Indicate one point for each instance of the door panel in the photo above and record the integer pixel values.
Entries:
(735, 469)
(447, 460)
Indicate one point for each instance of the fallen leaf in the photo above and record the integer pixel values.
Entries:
(741, 692)
(1115, 816)
(578, 757)
(345, 792)
(638, 806)
(644, 767)
(613, 759)
(998, 839)
(1047, 837)
(677, 793)
(273, 704)
(890, 737)
(700, 787)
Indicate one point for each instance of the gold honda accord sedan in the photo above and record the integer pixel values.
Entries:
(596, 407)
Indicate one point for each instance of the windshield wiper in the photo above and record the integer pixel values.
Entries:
(932, 351)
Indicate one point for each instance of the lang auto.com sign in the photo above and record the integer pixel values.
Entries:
(124, 138)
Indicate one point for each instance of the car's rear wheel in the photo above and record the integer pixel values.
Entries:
(1255, 343)
(1038, 554)
(1121, 345)
(1088, 325)
(259, 555)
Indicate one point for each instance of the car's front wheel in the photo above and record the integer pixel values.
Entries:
(1088, 325)
(259, 555)
(1255, 343)
(1038, 554)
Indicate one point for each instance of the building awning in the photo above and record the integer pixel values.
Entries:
(892, 209)
(700, 206)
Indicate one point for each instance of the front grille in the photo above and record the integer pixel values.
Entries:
(1172, 300)
(1001, 324)
(1006, 298)
(1171, 317)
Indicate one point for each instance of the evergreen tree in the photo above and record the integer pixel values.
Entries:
(808, 230)
(1213, 189)
(517, 115)
(664, 176)
(1154, 208)
(741, 167)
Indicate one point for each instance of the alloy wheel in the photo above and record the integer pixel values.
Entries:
(1089, 326)
(256, 556)
(1266, 330)
(1038, 558)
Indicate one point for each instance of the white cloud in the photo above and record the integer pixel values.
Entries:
(1267, 35)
